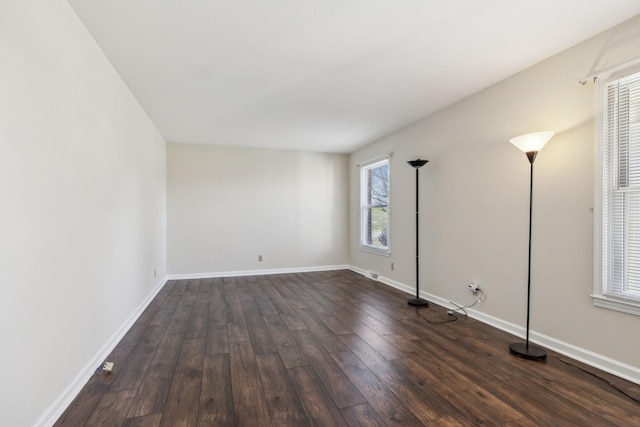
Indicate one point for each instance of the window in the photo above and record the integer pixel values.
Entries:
(618, 194)
(374, 205)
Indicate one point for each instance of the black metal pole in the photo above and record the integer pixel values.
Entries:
(526, 350)
(417, 235)
(417, 164)
(529, 266)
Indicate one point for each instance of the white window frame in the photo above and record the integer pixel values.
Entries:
(602, 254)
(364, 206)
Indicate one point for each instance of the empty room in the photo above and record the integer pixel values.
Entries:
(332, 213)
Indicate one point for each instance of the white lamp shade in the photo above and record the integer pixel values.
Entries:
(532, 141)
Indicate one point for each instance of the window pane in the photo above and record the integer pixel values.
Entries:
(379, 185)
(629, 285)
(375, 205)
(377, 227)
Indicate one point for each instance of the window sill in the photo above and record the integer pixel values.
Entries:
(373, 250)
(629, 307)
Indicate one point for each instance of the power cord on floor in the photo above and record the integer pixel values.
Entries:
(452, 313)
(452, 318)
(612, 385)
(460, 307)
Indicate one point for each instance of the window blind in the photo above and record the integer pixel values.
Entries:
(621, 209)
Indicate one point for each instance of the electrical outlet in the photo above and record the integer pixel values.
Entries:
(260, 258)
(108, 366)
(473, 287)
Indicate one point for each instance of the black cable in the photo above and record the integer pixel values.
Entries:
(601, 378)
(460, 307)
(451, 318)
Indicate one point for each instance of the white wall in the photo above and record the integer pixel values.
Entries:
(474, 194)
(226, 206)
(82, 220)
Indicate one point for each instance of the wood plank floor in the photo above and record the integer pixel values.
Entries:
(331, 349)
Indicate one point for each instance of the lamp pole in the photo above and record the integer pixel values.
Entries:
(531, 156)
(417, 301)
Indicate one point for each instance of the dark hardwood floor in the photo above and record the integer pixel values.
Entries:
(332, 349)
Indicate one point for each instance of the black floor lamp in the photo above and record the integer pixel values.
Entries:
(530, 144)
(417, 301)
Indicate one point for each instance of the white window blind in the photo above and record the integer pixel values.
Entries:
(620, 216)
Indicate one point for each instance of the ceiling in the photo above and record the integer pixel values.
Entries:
(325, 75)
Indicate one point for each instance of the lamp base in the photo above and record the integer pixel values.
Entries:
(530, 352)
(418, 302)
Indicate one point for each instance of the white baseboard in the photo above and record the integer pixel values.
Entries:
(212, 275)
(55, 410)
(596, 360)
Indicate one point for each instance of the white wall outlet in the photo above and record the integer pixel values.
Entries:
(474, 287)
(108, 366)
(260, 258)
